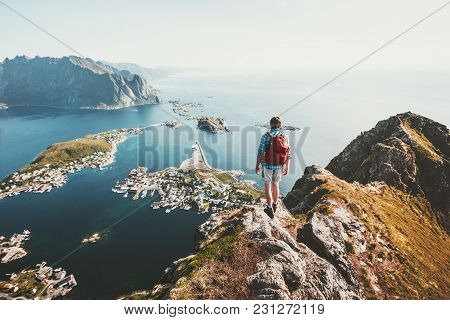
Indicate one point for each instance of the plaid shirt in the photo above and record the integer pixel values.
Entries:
(264, 144)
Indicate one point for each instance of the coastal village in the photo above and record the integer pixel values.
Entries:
(194, 185)
(41, 283)
(39, 178)
(12, 249)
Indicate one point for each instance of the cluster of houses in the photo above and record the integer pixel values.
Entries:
(193, 185)
(48, 177)
(12, 248)
(43, 282)
(115, 137)
(202, 190)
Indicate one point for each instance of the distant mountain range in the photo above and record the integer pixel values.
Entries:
(71, 82)
(147, 73)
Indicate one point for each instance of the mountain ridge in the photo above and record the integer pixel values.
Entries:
(70, 82)
(331, 238)
(408, 152)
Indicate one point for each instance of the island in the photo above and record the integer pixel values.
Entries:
(179, 104)
(172, 123)
(182, 108)
(193, 185)
(40, 283)
(205, 123)
(51, 167)
(211, 124)
(92, 239)
(12, 249)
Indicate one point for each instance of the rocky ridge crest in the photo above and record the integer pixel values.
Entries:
(70, 82)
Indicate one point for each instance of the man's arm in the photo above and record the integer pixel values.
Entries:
(258, 163)
(261, 151)
(286, 165)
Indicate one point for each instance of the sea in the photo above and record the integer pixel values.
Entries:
(140, 243)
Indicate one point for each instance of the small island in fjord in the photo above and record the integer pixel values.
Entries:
(12, 249)
(206, 123)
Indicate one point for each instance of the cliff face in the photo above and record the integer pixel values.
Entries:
(387, 242)
(70, 82)
(408, 152)
(379, 238)
(246, 255)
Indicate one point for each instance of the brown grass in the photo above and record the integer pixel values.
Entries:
(419, 267)
(422, 142)
(222, 278)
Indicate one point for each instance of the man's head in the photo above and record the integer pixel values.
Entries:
(275, 123)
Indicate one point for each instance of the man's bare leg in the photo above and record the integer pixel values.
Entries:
(275, 192)
(268, 194)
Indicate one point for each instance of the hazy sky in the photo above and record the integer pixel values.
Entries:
(233, 34)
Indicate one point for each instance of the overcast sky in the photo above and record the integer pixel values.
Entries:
(273, 34)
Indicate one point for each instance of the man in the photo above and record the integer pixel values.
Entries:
(274, 154)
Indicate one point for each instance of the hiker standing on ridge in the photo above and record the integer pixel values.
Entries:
(274, 154)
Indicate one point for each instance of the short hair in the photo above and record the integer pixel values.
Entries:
(275, 122)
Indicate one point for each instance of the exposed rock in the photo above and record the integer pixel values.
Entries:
(326, 236)
(212, 124)
(172, 123)
(384, 240)
(283, 268)
(70, 82)
(407, 151)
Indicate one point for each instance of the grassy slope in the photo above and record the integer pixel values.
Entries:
(26, 282)
(418, 269)
(423, 144)
(217, 270)
(62, 153)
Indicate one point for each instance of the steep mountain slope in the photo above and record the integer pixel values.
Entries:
(408, 152)
(70, 82)
(246, 255)
(387, 241)
(335, 239)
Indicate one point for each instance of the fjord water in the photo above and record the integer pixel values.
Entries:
(135, 252)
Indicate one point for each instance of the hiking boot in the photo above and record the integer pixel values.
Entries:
(269, 211)
(274, 207)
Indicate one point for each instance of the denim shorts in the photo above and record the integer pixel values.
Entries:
(269, 176)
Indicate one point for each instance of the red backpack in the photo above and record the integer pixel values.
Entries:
(277, 152)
